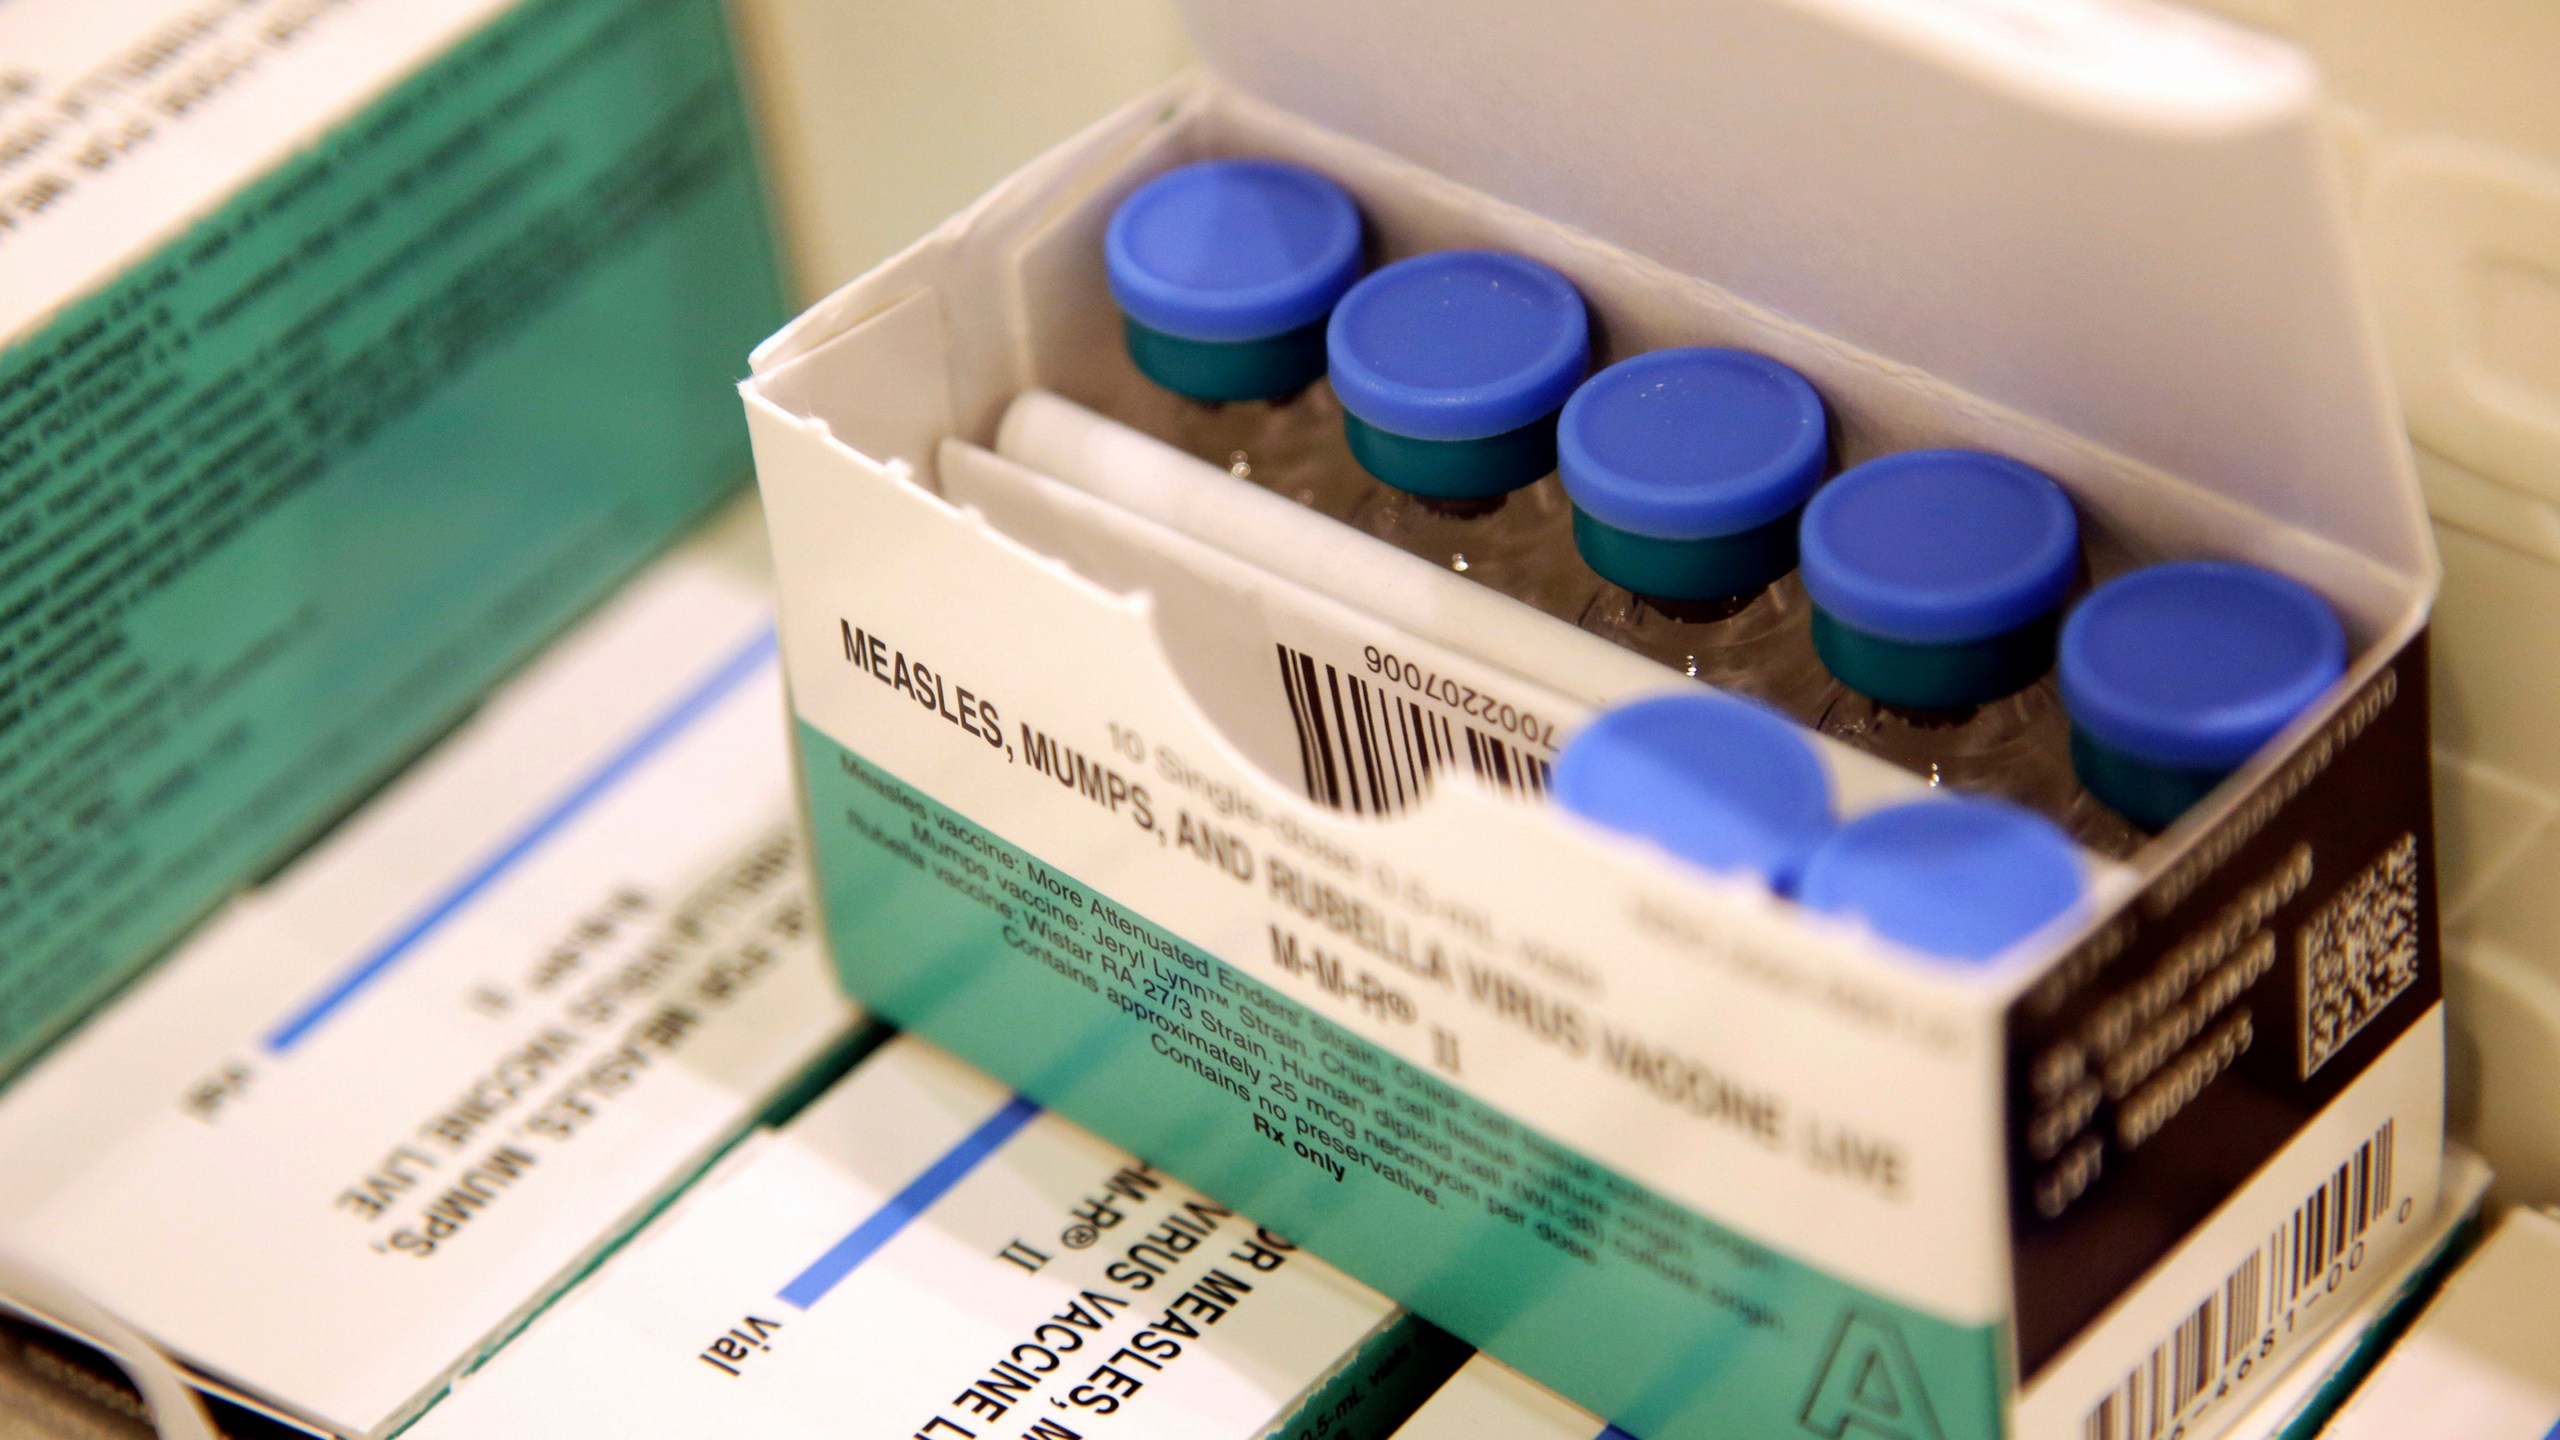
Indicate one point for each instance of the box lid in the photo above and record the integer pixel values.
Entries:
(2108, 214)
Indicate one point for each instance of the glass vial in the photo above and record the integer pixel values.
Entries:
(1225, 272)
(2174, 675)
(1688, 470)
(1451, 368)
(1936, 578)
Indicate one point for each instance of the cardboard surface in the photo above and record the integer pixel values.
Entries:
(381, 1108)
(923, 1252)
(2484, 1360)
(2449, 137)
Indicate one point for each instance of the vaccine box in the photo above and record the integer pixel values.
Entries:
(2484, 1360)
(346, 352)
(377, 1112)
(1263, 886)
(926, 1252)
(1488, 1400)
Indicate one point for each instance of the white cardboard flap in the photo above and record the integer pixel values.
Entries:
(2114, 216)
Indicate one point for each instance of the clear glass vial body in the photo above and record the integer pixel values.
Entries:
(1452, 367)
(1760, 645)
(1520, 543)
(2101, 829)
(1689, 469)
(1291, 446)
(2017, 747)
(1938, 579)
(1226, 273)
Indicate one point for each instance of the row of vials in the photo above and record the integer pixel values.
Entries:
(1928, 606)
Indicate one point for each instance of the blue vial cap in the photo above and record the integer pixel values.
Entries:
(1458, 345)
(2196, 664)
(1718, 781)
(1232, 250)
(1692, 444)
(1960, 878)
(1940, 546)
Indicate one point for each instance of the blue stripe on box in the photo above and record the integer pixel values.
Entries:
(741, 665)
(811, 1285)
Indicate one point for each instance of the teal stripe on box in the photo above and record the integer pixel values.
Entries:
(1626, 1302)
(305, 483)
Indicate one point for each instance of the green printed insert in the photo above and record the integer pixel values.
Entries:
(279, 503)
(1672, 1326)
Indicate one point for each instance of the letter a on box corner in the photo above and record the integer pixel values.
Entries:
(1869, 1386)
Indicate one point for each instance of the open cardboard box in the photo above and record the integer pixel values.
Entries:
(1699, 1161)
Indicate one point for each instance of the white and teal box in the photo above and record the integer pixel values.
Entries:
(1113, 812)
(925, 1252)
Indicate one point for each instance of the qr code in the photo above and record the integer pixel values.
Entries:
(2359, 952)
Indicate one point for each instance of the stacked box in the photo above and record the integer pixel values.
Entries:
(923, 1252)
(378, 1112)
(346, 352)
(2304, 1395)
(2484, 1359)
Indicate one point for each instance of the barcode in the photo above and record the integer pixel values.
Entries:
(2359, 953)
(1368, 750)
(2235, 1326)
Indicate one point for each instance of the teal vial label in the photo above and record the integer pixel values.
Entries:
(1630, 1303)
(280, 501)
